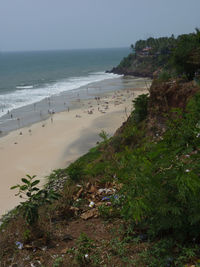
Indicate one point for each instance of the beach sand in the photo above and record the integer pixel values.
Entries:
(60, 140)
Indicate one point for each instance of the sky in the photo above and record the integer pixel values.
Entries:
(74, 24)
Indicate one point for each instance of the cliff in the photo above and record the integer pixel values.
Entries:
(142, 66)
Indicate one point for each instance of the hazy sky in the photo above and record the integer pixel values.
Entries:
(68, 24)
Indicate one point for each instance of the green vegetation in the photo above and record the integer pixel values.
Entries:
(140, 108)
(33, 198)
(186, 55)
(104, 136)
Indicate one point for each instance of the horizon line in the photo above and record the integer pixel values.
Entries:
(61, 49)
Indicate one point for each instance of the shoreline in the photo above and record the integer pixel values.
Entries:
(39, 111)
(56, 142)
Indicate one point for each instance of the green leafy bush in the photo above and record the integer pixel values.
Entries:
(33, 198)
(104, 136)
(186, 56)
(164, 76)
(140, 107)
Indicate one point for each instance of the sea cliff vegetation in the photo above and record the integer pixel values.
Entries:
(133, 200)
(173, 56)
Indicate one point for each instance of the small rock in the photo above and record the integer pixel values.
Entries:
(89, 214)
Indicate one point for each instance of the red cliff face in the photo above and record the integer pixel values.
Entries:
(164, 97)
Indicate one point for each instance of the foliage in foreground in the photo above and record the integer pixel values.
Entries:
(33, 198)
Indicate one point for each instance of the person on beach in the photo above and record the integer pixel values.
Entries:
(18, 121)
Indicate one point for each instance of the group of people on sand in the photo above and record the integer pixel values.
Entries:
(103, 105)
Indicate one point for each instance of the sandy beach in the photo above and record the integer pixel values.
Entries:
(58, 141)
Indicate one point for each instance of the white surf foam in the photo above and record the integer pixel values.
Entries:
(25, 95)
(24, 86)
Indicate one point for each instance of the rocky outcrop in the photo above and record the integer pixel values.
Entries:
(139, 66)
(127, 72)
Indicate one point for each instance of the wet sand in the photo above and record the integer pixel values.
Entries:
(59, 140)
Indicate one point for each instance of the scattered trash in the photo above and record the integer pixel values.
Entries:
(78, 194)
(101, 190)
(96, 197)
(92, 204)
(89, 214)
(19, 244)
(27, 246)
(86, 256)
(106, 190)
(105, 198)
(37, 263)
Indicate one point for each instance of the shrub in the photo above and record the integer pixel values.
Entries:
(140, 107)
(104, 136)
(34, 198)
(164, 76)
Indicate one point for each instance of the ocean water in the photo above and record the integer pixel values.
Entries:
(29, 77)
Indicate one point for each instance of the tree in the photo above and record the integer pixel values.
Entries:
(186, 55)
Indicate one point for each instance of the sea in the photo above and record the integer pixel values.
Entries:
(33, 83)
